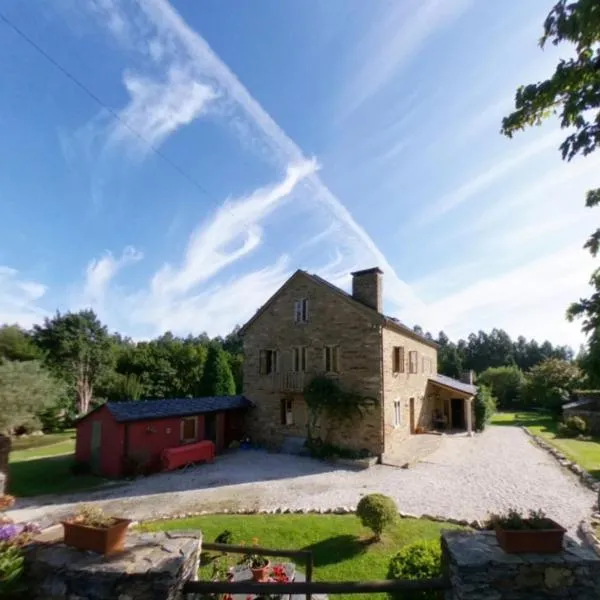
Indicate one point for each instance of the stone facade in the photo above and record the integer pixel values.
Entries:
(404, 385)
(332, 321)
(5, 445)
(480, 570)
(154, 566)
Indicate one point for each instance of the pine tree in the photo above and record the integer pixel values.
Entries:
(217, 379)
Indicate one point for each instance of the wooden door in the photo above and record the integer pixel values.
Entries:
(96, 446)
(411, 408)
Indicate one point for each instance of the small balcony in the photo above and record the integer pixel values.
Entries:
(290, 381)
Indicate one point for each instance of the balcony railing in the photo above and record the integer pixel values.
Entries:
(290, 381)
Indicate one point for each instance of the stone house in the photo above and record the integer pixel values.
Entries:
(310, 327)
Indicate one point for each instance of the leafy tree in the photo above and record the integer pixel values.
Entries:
(551, 382)
(573, 94)
(449, 358)
(78, 349)
(484, 408)
(16, 344)
(505, 383)
(217, 379)
(26, 389)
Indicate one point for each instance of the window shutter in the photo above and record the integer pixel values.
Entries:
(401, 359)
(305, 310)
(262, 362)
(303, 358)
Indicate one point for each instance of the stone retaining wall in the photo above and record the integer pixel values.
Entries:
(480, 570)
(154, 566)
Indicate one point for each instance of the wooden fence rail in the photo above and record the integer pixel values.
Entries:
(307, 587)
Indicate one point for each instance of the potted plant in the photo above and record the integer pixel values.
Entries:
(537, 533)
(257, 563)
(91, 529)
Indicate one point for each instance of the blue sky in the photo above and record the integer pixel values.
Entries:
(236, 142)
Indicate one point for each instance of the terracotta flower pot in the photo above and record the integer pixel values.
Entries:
(103, 540)
(261, 573)
(538, 541)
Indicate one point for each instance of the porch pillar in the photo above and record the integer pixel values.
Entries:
(468, 409)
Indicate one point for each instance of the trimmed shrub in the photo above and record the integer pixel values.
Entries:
(485, 407)
(11, 571)
(421, 560)
(572, 427)
(377, 512)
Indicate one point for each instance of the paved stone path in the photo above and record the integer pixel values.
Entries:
(465, 478)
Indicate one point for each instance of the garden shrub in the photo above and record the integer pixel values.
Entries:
(572, 427)
(421, 560)
(377, 512)
(485, 407)
(11, 570)
(323, 450)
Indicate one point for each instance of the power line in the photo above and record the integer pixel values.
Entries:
(114, 114)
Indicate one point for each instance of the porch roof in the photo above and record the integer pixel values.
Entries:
(454, 384)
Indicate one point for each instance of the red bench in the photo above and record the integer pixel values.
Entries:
(173, 458)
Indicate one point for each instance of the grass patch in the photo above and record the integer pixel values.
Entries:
(585, 453)
(47, 475)
(343, 550)
(39, 441)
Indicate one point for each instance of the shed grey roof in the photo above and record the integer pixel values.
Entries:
(139, 410)
(455, 384)
(580, 403)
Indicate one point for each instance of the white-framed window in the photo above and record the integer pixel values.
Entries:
(331, 359)
(413, 361)
(301, 310)
(397, 413)
(398, 359)
(268, 362)
(287, 411)
(189, 429)
(299, 359)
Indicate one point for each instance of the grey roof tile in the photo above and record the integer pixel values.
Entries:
(455, 384)
(139, 410)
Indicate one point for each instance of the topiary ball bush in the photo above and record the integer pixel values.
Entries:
(421, 560)
(377, 512)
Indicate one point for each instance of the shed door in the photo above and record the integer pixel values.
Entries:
(96, 444)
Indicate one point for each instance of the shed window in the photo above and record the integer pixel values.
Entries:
(398, 359)
(413, 361)
(189, 429)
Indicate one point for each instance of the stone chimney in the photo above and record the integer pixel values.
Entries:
(468, 377)
(367, 288)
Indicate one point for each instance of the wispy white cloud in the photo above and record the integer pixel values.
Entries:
(395, 37)
(484, 179)
(19, 298)
(530, 299)
(100, 273)
(159, 108)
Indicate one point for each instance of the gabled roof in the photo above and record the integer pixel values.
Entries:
(140, 410)
(454, 384)
(377, 317)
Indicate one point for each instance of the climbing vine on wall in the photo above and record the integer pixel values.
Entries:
(325, 397)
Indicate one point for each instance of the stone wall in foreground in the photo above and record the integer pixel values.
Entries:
(154, 566)
(480, 570)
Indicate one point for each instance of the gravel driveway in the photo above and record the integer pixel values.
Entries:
(466, 478)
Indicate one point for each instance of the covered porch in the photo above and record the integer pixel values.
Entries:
(451, 404)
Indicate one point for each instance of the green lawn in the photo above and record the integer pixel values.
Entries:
(41, 465)
(32, 442)
(584, 453)
(343, 550)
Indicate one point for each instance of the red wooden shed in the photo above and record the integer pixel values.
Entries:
(119, 437)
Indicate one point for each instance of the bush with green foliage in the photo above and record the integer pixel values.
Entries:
(12, 564)
(420, 560)
(572, 427)
(505, 383)
(377, 512)
(485, 407)
(324, 450)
